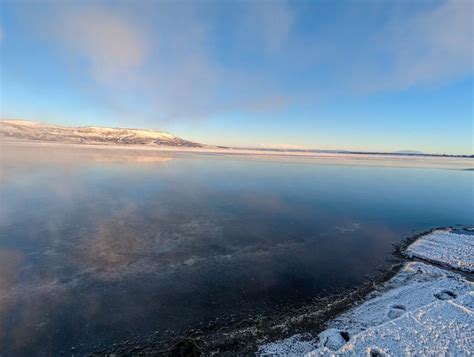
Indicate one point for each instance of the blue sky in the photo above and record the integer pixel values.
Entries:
(360, 75)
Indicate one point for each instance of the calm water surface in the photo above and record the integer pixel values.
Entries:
(95, 250)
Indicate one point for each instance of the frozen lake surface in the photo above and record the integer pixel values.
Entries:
(97, 249)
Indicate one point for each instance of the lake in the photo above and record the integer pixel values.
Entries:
(98, 248)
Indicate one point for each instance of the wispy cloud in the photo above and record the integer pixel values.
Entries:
(167, 60)
(423, 48)
(110, 42)
(271, 21)
(157, 59)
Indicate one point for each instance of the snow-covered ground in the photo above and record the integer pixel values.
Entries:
(423, 310)
(446, 248)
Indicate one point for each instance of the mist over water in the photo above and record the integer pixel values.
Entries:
(96, 247)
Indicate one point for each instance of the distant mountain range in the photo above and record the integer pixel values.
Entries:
(30, 130)
(25, 130)
(409, 152)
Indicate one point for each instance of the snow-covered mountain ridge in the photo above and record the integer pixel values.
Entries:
(30, 130)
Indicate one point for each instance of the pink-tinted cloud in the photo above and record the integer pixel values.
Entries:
(160, 56)
(108, 41)
(159, 61)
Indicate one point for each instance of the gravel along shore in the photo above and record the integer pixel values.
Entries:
(427, 308)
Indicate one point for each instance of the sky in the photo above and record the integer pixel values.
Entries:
(321, 74)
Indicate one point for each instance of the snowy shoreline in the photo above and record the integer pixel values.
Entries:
(334, 158)
(412, 308)
(424, 309)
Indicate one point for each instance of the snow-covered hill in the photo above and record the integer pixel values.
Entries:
(29, 130)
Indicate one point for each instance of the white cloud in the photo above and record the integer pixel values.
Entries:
(167, 60)
(271, 21)
(110, 42)
(422, 49)
(160, 56)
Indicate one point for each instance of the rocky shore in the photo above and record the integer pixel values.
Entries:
(427, 308)
(421, 305)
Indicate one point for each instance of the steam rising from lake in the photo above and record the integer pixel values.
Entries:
(100, 246)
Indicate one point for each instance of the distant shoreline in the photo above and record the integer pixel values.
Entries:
(344, 158)
(220, 148)
(32, 131)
